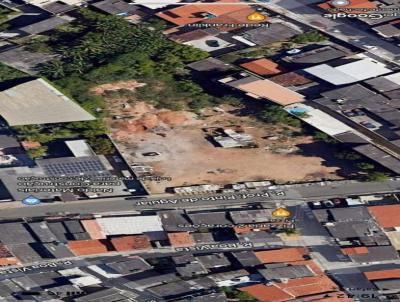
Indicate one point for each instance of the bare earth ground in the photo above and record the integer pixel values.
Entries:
(189, 158)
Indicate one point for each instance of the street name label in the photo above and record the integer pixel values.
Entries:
(241, 196)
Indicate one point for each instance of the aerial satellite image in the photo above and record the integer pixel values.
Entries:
(200, 150)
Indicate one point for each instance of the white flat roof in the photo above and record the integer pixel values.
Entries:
(79, 148)
(330, 74)
(395, 78)
(360, 70)
(321, 120)
(364, 69)
(130, 225)
(37, 102)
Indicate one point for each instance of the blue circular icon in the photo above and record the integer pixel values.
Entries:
(31, 200)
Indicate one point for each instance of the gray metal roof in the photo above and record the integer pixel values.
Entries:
(132, 265)
(172, 289)
(42, 231)
(15, 233)
(45, 25)
(274, 33)
(58, 250)
(25, 253)
(350, 214)
(380, 157)
(213, 260)
(191, 269)
(210, 64)
(382, 84)
(315, 56)
(246, 258)
(73, 226)
(376, 254)
(58, 230)
(213, 218)
(115, 7)
(352, 92)
(286, 272)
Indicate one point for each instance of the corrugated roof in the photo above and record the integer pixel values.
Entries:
(282, 255)
(387, 216)
(30, 103)
(129, 243)
(262, 66)
(87, 247)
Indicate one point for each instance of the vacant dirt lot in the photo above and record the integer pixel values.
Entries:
(185, 155)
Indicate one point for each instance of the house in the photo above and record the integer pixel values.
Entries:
(40, 27)
(130, 12)
(290, 254)
(292, 80)
(389, 30)
(30, 102)
(130, 225)
(87, 247)
(362, 69)
(262, 67)
(188, 14)
(129, 243)
(181, 239)
(371, 254)
(316, 56)
(212, 261)
(262, 88)
(275, 32)
(387, 216)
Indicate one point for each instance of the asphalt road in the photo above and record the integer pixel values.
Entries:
(300, 11)
(287, 195)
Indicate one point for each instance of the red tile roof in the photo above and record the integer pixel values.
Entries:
(87, 247)
(6, 258)
(265, 293)
(386, 216)
(308, 286)
(355, 250)
(93, 229)
(187, 14)
(181, 239)
(30, 144)
(233, 18)
(290, 79)
(282, 255)
(129, 243)
(262, 67)
(385, 274)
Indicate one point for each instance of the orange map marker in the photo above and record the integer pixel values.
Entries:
(256, 16)
(281, 213)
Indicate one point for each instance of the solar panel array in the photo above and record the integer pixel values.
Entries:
(73, 168)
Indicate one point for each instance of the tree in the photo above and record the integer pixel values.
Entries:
(377, 176)
(308, 37)
(102, 146)
(321, 136)
(37, 152)
(275, 114)
(365, 166)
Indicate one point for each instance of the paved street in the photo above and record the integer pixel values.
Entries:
(287, 195)
(300, 11)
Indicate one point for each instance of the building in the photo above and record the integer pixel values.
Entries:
(262, 89)
(30, 103)
(130, 225)
(129, 243)
(87, 247)
(290, 254)
(262, 67)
